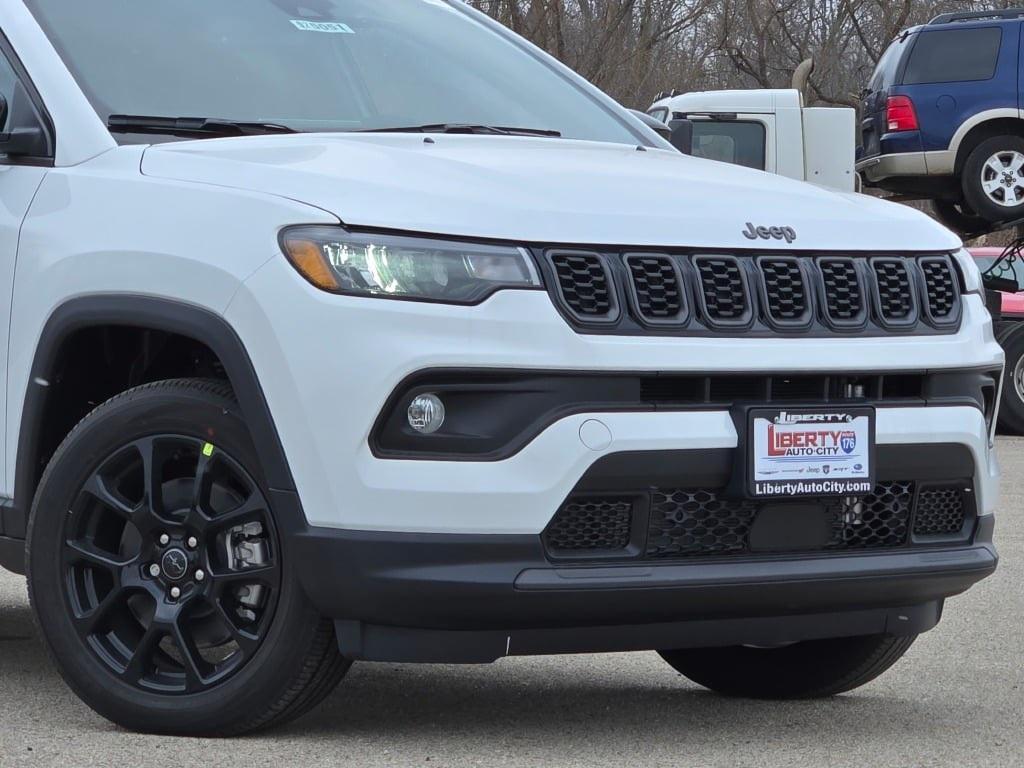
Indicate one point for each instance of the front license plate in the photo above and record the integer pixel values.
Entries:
(811, 451)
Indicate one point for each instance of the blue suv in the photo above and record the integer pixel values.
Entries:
(943, 118)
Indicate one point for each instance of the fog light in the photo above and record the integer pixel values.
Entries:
(426, 414)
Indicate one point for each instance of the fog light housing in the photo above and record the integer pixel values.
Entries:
(426, 414)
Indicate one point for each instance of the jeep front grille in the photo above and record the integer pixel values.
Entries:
(940, 283)
(786, 299)
(894, 291)
(631, 293)
(584, 285)
(843, 291)
(724, 294)
(658, 289)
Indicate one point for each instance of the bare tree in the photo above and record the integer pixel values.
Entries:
(635, 48)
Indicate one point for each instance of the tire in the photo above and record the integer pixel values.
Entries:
(958, 217)
(992, 161)
(1011, 407)
(808, 670)
(232, 650)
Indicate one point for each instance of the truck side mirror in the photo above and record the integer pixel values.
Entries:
(682, 135)
(653, 123)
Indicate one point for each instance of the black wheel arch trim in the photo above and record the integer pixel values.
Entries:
(158, 314)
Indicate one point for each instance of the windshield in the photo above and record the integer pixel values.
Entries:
(315, 65)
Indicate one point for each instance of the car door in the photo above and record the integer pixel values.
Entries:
(19, 179)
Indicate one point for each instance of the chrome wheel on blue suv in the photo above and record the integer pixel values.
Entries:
(993, 178)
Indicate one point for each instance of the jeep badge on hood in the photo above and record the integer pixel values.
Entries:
(767, 233)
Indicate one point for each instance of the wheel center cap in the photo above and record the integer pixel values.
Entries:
(174, 564)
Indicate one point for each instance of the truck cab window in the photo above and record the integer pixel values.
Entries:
(737, 142)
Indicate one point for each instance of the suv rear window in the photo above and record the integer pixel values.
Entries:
(885, 72)
(954, 56)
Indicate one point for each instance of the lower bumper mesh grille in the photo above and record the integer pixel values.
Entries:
(686, 523)
(591, 525)
(697, 523)
(940, 512)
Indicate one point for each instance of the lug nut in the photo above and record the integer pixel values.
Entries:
(200, 575)
(164, 539)
(175, 593)
(154, 570)
(192, 542)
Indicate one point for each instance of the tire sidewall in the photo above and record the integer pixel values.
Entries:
(955, 217)
(970, 180)
(1011, 408)
(155, 409)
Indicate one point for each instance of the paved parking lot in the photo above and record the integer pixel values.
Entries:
(957, 699)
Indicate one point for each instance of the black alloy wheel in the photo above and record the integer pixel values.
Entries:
(158, 570)
(171, 566)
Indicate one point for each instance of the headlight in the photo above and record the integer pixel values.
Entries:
(406, 267)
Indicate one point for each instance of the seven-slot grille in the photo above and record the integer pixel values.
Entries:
(941, 289)
(786, 300)
(723, 290)
(843, 290)
(658, 290)
(763, 294)
(894, 290)
(584, 285)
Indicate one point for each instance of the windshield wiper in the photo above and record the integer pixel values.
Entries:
(484, 130)
(192, 126)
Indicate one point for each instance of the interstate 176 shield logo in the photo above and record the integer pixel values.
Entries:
(848, 442)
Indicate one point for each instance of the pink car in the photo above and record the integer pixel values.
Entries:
(1010, 334)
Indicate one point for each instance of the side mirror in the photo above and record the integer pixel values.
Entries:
(682, 135)
(27, 140)
(653, 123)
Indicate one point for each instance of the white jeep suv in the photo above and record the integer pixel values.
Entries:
(360, 330)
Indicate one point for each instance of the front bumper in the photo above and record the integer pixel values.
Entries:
(421, 597)
(444, 560)
(329, 364)
(438, 598)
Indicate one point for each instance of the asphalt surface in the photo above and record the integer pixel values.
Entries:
(956, 699)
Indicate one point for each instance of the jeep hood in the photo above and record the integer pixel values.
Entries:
(544, 191)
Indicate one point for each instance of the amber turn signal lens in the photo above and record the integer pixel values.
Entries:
(308, 257)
